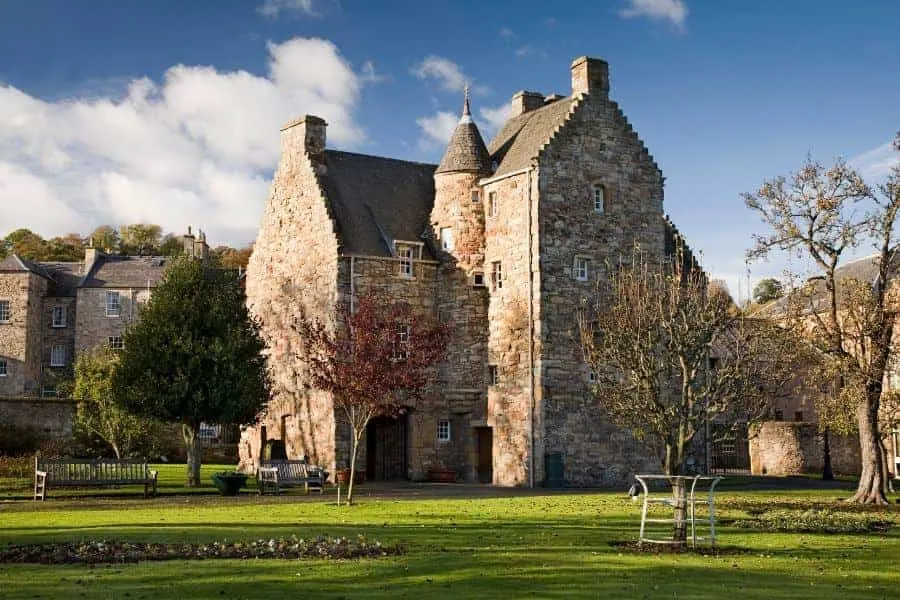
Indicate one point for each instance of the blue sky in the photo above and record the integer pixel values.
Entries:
(115, 111)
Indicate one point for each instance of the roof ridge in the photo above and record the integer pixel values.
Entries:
(390, 158)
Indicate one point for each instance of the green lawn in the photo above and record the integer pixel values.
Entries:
(546, 545)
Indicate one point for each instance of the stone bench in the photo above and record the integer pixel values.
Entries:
(70, 472)
(272, 475)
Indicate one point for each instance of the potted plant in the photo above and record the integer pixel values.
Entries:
(229, 483)
(342, 477)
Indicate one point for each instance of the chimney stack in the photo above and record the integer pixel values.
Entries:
(524, 101)
(590, 76)
(309, 131)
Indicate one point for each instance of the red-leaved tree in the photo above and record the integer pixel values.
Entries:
(375, 359)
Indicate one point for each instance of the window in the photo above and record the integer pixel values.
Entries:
(406, 262)
(497, 275)
(115, 342)
(4, 311)
(492, 204)
(798, 415)
(592, 376)
(59, 316)
(779, 414)
(447, 238)
(493, 375)
(478, 279)
(580, 269)
(4, 367)
(58, 356)
(599, 198)
(476, 196)
(444, 430)
(401, 351)
(113, 304)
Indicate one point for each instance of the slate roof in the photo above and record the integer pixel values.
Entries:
(466, 150)
(378, 200)
(12, 264)
(126, 271)
(63, 275)
(522, 137)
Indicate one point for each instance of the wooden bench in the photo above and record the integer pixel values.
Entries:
(273, 475)
(70, 472)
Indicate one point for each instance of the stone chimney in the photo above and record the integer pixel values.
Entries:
(91, 254)
(201, 249)
(187, 242)
(307, 132)
(524, 101)
(590, 76)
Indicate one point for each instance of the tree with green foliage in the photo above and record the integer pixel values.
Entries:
(99, 415)
(767, 290)
(105, 238)
(24, 243)
(195, 355)
(140, 239)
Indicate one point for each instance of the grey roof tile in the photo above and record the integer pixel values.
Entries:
(127, 271)
(522, 137)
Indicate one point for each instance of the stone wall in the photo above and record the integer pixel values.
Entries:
(791, 448)
(25, 292)
(293, 269)
(596, 147)
(57, 336)
(93, 327)
(48, 417)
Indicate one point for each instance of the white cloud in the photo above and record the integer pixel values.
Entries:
(506, 33)
(877, 162)
(447, 73)
(272, 8)
(493, 118)
(673, 11)
(437, 129)
(196, 148)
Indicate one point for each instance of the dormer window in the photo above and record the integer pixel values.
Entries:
(407, 253)
(599, 198)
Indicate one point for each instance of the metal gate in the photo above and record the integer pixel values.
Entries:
(730, 449)
(386, 449)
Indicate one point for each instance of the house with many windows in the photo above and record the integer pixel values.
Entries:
(504, 240)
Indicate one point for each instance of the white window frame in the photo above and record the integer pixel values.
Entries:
(5, 311)
(447, 238)
(581, 268)
(59, 317)
(444, 430)
(404, 334)
(493, 204)
(115, 342)
(4, 367)
(497, 275)
(58, 355)
(599, 197)
(407, 256)
(113, 309)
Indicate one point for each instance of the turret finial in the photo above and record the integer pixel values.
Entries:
(466, 103)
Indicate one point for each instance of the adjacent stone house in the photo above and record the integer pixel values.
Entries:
(504, 240)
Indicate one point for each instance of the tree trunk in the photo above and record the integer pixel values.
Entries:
(356, 436)
(115, 448)
(679, 495)
(872, 480)
(191, 434)
(827, 473)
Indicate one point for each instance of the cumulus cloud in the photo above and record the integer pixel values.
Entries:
(197, 147)
(447, 73)
(673, 11)
(437, 128)
(493, 118)
(272, 8)
(877, 162)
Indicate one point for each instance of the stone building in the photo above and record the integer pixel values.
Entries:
(504, 240)
(50, 311)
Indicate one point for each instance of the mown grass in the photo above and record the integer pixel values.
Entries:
(468, 544)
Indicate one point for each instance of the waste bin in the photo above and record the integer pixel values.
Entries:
(554, 470)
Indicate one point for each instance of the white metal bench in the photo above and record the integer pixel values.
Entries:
(273, 475)
(70, 472)
(687, 502)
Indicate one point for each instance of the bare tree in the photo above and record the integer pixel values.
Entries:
(822, 214)
(375, 360)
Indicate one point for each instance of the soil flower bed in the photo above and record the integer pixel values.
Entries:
(111, 551)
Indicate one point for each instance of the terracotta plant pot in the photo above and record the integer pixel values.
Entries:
(442, 475)
(342, 477)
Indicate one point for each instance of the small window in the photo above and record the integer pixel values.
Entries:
(478, 279)
(592, 376)
(113, 304)
(493, 375)
(4, 367)
(476, 196)
(798, 415)
(497, 275)
(4, 311)
(401, 352)
(447, 238)
(599, 198)
(443, 430)
(406, 262)
(580, 269)
(779, 414)
(115, 342)
(492, 204)
(58, 356)
(59, 316)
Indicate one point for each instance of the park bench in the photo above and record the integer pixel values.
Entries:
(71, 472)
(273, 475)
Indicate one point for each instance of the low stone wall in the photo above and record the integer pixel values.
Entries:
(790, 448)
(47, 417)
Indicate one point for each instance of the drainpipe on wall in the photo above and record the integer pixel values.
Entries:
(530, 337)
(352, 282)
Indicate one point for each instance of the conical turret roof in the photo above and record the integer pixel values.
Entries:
(466, 150)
